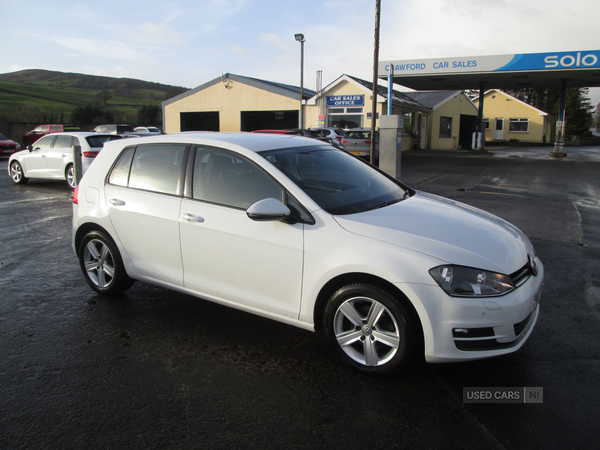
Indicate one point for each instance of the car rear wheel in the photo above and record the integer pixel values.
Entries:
(102, 265)
(369, 329)
(70, 176)
(16, 173)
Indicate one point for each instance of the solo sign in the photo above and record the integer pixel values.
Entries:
(578, 60)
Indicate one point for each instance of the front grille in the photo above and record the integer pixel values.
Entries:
(8, 146)
(521, 275)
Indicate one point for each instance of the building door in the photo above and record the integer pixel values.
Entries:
(499, 130)
(199, 121)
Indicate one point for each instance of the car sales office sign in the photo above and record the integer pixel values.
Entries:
(345, 100)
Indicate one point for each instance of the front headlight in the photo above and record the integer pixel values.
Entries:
(460, 281)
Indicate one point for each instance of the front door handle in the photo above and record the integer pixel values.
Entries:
(192, 218)
(116, 202)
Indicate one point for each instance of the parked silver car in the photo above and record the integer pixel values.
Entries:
(335, 134)
(358, 142)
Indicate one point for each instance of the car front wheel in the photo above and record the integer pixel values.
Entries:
(102, 265)
(369, 329)
(16, 173)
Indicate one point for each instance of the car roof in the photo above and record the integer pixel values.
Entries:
(83, 133)
(255, 142)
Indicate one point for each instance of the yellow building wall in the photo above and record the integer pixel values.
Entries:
(452, 108)
(229, 102)
(498, 105)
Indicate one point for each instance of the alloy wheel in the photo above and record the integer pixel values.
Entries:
(366, 331)
(16, 172)
(99, 263)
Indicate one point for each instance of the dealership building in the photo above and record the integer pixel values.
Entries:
(438, 115)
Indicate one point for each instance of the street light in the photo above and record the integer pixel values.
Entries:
(300, 38)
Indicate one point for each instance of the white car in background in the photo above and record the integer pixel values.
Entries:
(146, 130)
(51, 157)
(298, 231)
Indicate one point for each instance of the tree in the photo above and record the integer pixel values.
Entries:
(578, 112)
(150, 115)
(86, 114)
(104, 96)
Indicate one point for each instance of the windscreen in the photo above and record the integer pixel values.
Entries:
(335, 180)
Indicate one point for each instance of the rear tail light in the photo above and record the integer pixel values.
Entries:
(90, 154)
(76, 195)
(343, 141)
(368, 142)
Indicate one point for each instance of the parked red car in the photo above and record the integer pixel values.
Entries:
(8, 146)
(42, 130)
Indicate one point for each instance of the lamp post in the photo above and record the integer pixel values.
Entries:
(300, 38)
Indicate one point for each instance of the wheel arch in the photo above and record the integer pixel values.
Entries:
(364, 278)
(67, 169)
(85, 229)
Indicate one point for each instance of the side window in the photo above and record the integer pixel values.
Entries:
(63, 141)
(56, 128)
(157, 168)
(120, 172)
(227, 179)
(45, 142)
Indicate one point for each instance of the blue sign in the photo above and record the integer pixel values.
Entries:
(345, 100)
(558, 60)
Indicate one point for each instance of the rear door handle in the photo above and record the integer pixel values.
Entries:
(116, 202)
(192, 218)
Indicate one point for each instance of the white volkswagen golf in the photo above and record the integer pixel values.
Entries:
(51, 157)
(301, 232)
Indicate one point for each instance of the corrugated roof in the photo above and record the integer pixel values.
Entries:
(285, 90)
(432, 99)
(398, 98)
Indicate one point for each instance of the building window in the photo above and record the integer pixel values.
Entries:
(445, 127)
(519, 125)
(486, 124)
(350, 117)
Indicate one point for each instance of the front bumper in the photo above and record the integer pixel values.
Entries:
(462, 329)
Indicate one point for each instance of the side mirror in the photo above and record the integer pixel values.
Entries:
(30, 148)
(268, 209)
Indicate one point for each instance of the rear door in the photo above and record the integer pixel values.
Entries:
(144, 192)
(59, 156)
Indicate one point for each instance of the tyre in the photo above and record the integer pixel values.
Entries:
(102, 265)
(369, 329)
(16, 173)
(70, 176)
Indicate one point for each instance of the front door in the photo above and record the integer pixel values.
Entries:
(499, 130)
(229, 257)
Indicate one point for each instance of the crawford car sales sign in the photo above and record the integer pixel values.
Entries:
(503, 63)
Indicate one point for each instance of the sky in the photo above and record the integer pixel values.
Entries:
(190, 42)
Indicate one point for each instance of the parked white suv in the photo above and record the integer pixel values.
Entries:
(298, 231)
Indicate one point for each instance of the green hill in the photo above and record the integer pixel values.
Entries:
(46, 96)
